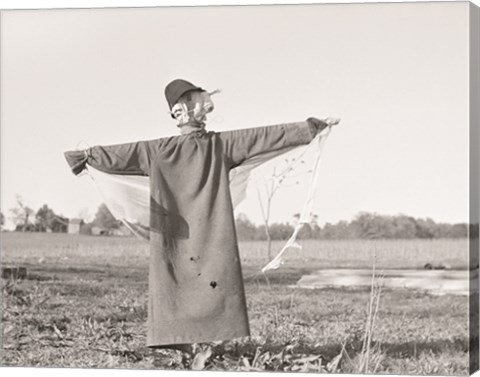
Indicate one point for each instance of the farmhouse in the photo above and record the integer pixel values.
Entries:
(74, 226)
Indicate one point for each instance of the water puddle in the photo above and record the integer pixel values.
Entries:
(455, 282)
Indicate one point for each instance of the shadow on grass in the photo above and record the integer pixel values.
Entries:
(328, 352)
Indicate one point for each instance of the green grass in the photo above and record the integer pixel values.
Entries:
(83, 304)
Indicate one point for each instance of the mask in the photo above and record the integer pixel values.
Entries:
(192, 108)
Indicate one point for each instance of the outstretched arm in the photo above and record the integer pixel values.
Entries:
(126, 159)
(240, 145)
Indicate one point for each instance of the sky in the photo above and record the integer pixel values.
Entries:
(396, 74)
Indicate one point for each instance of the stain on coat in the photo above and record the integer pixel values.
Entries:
(213, 284)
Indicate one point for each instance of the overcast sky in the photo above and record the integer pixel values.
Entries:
(397, 75)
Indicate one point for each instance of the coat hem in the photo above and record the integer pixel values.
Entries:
(178, 343)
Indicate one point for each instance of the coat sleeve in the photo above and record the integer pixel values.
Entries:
(240, 145)
(125, 159)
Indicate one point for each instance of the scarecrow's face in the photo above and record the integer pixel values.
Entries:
(192, 108)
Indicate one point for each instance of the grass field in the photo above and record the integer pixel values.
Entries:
(83, 304)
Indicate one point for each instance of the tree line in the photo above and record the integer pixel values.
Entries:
(26, 219)
(45, 219)
(364, 225)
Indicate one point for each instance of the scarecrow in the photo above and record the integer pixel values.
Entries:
(196, 292)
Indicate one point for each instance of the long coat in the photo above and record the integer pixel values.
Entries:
(196, 291)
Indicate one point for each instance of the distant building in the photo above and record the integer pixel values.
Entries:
(74, 226)
(59, 224)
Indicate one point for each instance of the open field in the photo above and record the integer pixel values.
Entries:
(83, 304)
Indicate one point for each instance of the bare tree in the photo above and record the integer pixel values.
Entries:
(282, 177)
(84, 214)
(21, 215)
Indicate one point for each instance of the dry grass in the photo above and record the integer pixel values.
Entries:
(368, 360)
(83, 304)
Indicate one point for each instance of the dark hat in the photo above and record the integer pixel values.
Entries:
(177, 88)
